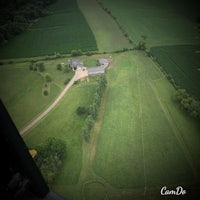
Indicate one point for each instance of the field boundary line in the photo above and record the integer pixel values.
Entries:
(142, 131)
(175, 131)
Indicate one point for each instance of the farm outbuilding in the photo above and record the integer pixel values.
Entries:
(96, 70)
(103, 62)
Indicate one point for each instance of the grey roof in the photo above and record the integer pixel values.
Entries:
(75, 63)
(103, 61)
(95, 70)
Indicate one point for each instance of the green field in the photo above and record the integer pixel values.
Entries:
(140, 142)
(21, 90)
(183, 64)
(64, 123)
(163, 22)
(63, 30)
(141, 148)
(107, 33)
(141, 139)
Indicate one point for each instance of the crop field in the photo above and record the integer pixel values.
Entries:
(21, 89)
(183, 64)
(63, 30)
(107, 34)
(162, 22)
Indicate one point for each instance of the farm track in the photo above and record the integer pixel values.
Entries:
(176, 132)
(78, 75)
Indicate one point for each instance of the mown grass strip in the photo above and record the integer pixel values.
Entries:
(107, 33)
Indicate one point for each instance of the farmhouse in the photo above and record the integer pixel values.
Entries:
(75, 64)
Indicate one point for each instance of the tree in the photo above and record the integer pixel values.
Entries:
(59, 67)
(180, 95)
(46, 93)
(82, 110)
(41, 67)
(48, 78)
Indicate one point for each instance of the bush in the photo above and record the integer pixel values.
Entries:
(83, 110)
(59, 67)
(41, 67)
(46, 93)
(48, 78)
(76, 52)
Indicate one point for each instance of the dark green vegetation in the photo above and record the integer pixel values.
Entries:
(50, 156)
(189, 104)
(182, 63)
(163, 22)
(23, 90)
(63, 30)
(17, 16)
(94, 107)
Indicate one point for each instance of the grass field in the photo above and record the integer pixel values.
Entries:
(21, 90)
(143, 147)
(107, 34)
(182, 63)
(64, 123)
(140, 142)
(163, 22)
(62, 31)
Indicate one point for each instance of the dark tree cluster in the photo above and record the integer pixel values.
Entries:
(17, 15)
(92, 111)
(189, 104)
(50, 156)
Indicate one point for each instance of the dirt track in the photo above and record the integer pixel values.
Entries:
(78, 75)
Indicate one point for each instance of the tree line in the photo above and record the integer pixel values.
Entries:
(17, 15)
(188, 103)
(93, 109)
